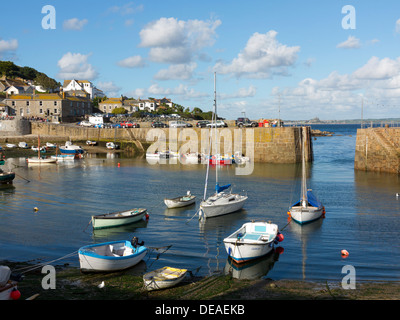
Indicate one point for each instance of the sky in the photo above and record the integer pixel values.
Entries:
(291, 59)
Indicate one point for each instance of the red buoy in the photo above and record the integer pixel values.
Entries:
(15, 294)
(280, 237)
(344, 253)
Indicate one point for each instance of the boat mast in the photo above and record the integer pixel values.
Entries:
(303, 175)
(215, 129)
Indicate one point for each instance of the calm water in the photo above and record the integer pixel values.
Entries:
(362, 213)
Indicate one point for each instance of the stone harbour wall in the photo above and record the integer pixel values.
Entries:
(378, 149)
(272, 145)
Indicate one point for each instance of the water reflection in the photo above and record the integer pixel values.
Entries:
(254, 269)
(303, 233)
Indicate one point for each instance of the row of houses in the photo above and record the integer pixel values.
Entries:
(134, 105)
(73, 100)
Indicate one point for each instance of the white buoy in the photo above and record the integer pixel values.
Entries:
(101, 285)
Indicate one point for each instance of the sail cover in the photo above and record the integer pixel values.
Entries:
(312, 200)
(219, 188)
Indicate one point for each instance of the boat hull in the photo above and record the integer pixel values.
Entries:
(104, 257)
(41, 161)
(249, 243)
(7, 177)
(303, 215)
(209, 209)
(179, 202)
(116, 219)
(163, 278)
(71, 150)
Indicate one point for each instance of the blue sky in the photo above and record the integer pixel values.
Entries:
(292, 58)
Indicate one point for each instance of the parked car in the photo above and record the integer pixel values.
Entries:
(159, 124)
(126, 124)
(245, 122)
(202, 123)
(178, 124)
(219, 123)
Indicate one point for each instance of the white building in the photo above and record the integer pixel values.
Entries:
(83, 85)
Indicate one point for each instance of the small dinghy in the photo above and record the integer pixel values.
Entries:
(163, 278)
(111, 256)
(253, 240)
(179, 202)
(119, 218)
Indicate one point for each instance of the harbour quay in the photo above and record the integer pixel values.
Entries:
(263, 144)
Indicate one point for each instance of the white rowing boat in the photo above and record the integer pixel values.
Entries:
(179, 202)
(163, 278)
(119, 218)
(253, 240)
(110, 256)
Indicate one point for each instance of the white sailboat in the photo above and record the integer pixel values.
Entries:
(308, 208)
(222, 202)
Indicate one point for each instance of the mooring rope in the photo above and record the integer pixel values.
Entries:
(31, 268)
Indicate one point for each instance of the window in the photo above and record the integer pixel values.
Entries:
(55, 110)
(13, 103)
(55, 103)
(40, 110)
(27, 103)
(27, 110)
(40, 103)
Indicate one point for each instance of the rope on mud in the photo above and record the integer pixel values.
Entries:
(39, 265)
(159, 254)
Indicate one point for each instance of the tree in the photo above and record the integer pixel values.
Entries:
(120, 110)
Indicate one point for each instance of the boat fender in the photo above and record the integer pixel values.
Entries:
(15, 294)
(280, 237)
(135, 242)
(147, 216)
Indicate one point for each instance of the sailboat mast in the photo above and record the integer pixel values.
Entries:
(215, 128)
(303, 175)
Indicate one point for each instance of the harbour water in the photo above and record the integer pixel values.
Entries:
(362, 213)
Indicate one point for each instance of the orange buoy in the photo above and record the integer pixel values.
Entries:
(344, 253)
(119, 164)
(288, 213)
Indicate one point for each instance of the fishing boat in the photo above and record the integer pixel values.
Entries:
(36, 149)
(6, 177)
(50, 145)
(111, 145)
(251, 241)
(162, 278)
(308, 208)
(23, 145)
(179, 202)
(71, 148)
(10, 145)
(91, 143)
(110, 256)
(221, 202)
(119, 218)
(221, 159)
(40, 159)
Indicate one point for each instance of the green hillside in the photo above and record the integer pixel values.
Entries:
(12, 71)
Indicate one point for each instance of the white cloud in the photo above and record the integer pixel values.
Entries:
(379, 69)
(176, 41)
(155, 90)
(378, 80)
(262, 57)
(126, 9)
(177, 72)
(74, 24)
(109, 88)
(132, 62)
(351, 43)
(10, 45)
(241, 93)
(76, 66)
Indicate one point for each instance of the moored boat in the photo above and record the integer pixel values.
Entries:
(71, 148)
(110, 256)
(6, 177)
(162, 278)
(119, 218)
(179, 202)
(41, 160)
(112, 146)
(308, 208)
(23, 145)
(251, 241)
